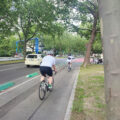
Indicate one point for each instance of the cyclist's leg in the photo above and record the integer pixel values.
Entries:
(42, 78)
(68, 64)
(50, 78)
(43, 74)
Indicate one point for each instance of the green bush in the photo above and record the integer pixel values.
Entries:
(4, 53)
(11, 52)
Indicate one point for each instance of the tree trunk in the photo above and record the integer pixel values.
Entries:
(89, 45)
(110, 32)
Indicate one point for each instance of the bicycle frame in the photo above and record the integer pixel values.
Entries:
(69, 67)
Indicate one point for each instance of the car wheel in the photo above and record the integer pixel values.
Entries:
(27, 66)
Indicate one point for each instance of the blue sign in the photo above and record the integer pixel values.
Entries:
(36, 45)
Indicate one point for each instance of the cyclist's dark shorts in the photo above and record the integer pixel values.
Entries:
(46, 71)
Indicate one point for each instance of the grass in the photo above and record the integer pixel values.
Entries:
(89, 102)
(10, 62)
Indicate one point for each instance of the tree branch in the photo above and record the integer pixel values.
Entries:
(21, 23)
(19, 35)
(32, 35)
(95, 7)
(86, 29)
(88, 8)
(28, 25)
(91, 10)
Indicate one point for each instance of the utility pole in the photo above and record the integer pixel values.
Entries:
(109, 11)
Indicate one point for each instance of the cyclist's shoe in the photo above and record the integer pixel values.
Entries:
(50, 87)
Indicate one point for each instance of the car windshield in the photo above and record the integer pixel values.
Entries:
(32, 56)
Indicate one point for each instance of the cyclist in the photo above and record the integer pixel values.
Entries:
(48, 62)
(69, 60)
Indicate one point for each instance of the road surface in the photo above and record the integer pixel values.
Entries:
(21, 102)
(14, 72)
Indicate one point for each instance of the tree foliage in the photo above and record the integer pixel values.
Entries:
(68, 44)
(88, 13)
(32, 16)
(5, 17)
(8, 46)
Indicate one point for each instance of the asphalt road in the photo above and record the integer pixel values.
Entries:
(13, 72)
(21, 102)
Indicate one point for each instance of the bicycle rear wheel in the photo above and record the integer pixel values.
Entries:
(69, 68)
(42, 90)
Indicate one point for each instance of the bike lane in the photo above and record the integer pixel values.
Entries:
(55, 105)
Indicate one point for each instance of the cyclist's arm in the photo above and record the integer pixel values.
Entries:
(54, 68)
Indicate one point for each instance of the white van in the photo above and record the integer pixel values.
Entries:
(33, 59)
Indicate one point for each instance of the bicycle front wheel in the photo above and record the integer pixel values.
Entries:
(42, 90)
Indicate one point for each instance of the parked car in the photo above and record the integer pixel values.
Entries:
(33, 59)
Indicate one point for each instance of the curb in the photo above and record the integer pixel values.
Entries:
(70, 103)
(6, 85)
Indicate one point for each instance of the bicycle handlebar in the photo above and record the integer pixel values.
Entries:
(55, 72)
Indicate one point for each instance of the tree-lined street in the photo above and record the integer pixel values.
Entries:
(87, 30)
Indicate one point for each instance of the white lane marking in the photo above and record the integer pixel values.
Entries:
(12, 88)
(9, 69)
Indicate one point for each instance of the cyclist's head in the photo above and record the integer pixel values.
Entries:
(69, 54)
(50, 53)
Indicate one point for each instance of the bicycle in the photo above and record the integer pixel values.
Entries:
(43, 88)
(69, 68)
